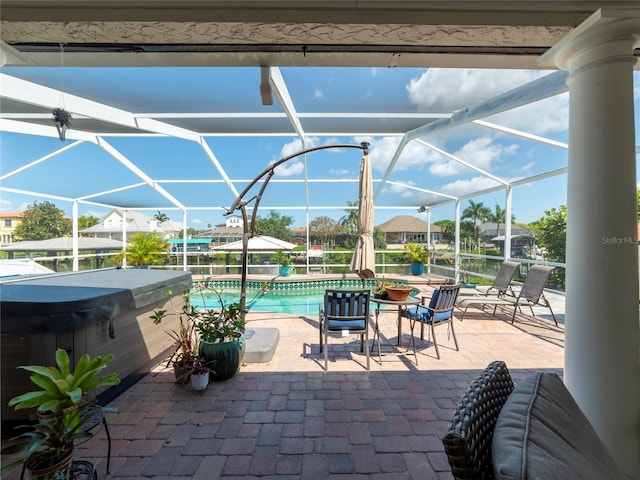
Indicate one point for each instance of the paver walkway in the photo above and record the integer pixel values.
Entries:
(288, 419)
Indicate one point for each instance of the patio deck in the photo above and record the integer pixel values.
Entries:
(289, 419)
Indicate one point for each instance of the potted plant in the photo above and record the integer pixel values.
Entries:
(219, 331)
(185, 340)
(386, 290)
(284, 259)
(398, 292)
(380, 288)
(199, 374)
(417, 254)
(60, 403)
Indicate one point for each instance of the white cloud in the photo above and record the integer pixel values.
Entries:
(6, 205)
(432, 91)
(413, 157)
(401, 190)
(527, 167)
(339, 172)
(460, 187)
(296, 145)
(288, 169)
(318, 93)
(482, 152)
(197, 221)
(549, 115)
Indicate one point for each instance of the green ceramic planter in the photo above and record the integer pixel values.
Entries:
(224, 357)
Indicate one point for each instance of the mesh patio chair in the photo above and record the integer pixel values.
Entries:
(531, 294)
(502, 282)
(345, 312)
(438, 312)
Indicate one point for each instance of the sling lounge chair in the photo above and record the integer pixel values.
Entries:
(531, 294)
(502, 283)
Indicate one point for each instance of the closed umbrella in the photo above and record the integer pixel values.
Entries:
(364, 262)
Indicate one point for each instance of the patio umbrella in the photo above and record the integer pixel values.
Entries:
(261, 243)
(363, 261)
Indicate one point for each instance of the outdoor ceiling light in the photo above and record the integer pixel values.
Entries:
(266, 95)
(62, 119)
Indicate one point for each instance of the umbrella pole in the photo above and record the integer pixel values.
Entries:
(245, 246)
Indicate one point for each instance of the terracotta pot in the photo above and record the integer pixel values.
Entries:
(398, 293)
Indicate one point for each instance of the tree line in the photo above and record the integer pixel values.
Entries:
(43, 220)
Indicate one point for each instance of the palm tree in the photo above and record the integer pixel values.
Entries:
(350, 220)
(144, 249)
(499, 216)
(161, 217)
(476, 211)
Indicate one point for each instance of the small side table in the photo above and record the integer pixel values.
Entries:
(409, 301)
(80, 470)
(94, 415)
(83, 470)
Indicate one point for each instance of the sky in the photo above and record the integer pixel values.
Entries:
(423, 166)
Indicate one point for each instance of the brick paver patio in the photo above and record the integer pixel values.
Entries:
(288, 419)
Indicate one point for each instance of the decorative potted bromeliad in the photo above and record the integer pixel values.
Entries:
(47, 446)
(218, 331)
(417, 254)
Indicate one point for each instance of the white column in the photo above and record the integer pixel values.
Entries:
(76, 240)
(124, 237)
(507, 222)
(602, 322)
(429, 239)
(457, 246)
(184, 241)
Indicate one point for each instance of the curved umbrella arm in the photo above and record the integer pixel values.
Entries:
(241, 204)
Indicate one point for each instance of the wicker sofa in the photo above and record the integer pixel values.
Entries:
(534, 430)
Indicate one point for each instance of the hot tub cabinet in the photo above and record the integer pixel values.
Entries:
(96, 312)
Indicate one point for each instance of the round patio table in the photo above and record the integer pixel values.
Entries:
(409, 301)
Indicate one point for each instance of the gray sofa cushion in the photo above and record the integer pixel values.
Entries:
(541, 433)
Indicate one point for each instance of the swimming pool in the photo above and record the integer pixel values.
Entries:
(292, 297)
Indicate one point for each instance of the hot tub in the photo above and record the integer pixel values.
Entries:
(96, 312)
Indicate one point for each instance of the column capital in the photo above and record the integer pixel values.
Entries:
(605, 34)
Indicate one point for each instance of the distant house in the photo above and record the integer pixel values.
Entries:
(317, 238)
(194, 245)
(522, 239)
(230, 231)
(8, 223)
(111, 226)
(405, 229)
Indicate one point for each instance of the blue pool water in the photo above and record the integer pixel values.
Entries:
(293, 297)
(296, 303)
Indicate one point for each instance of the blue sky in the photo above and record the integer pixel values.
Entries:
(86, 168)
